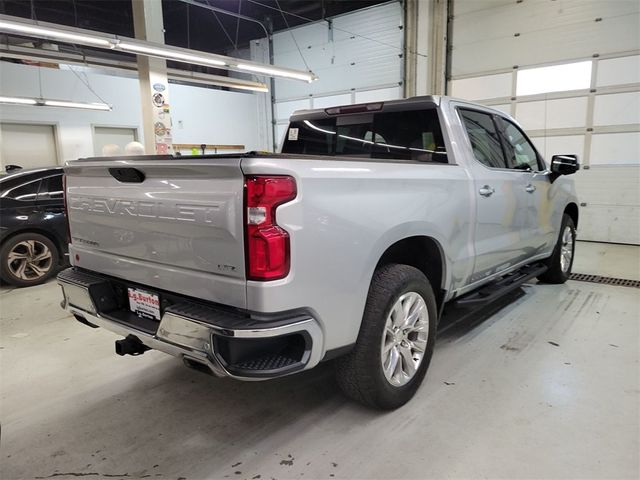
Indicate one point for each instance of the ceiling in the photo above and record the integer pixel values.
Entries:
(186, 25)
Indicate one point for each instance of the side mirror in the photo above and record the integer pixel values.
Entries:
(11, 168)
(564, 164)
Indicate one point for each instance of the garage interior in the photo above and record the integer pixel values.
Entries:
(544, 383)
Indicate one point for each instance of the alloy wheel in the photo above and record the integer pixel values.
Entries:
(404, 340)
(566, 249)
(30, 260)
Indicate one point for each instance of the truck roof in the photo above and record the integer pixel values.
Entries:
(386, 105)
(411, 103)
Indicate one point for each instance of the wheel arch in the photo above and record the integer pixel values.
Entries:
(572, 210)
(424, 253)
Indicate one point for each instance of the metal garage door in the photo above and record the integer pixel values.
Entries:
(357, 57)
(569, 71)
(27, 145)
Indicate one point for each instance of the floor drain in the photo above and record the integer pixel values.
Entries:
(621, 282)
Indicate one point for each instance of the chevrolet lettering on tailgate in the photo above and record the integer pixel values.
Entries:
(145, 209)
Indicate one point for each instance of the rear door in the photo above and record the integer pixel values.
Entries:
(172, 224)
(501, 227)
(17, 202)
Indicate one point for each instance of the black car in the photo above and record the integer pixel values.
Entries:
(33, 231)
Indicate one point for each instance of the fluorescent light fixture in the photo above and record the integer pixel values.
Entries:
(247, 87)
(53, 33)
(41, 102)
(86, 106)
(555, 78)
(277, 72)
(170, 54)
(216, 80)
(18, 100)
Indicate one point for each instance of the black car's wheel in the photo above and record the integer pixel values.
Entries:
(396, 339)
(28, 259)
(561, 260)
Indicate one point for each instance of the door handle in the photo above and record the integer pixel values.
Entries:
(487, 191)
(530, 188)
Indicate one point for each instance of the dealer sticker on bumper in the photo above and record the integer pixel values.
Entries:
(144, 304)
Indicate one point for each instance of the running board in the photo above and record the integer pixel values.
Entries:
(497, 289)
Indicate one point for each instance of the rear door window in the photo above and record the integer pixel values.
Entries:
(484, 137)
(407, 135)
(51, 188)
(24, 193)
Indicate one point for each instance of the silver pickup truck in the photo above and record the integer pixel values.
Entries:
(346, 246)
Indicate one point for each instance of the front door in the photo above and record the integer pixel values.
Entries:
(523, 157)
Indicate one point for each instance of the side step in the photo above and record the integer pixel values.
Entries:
(504, 285)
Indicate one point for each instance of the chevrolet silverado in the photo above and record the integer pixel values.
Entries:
(346, 246)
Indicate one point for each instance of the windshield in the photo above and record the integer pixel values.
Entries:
(407, 135)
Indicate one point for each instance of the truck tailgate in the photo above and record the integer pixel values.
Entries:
(178, 226)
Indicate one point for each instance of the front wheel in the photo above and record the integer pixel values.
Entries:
(396, 339)
(561, 260)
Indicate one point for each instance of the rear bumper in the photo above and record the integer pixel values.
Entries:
(224, 342)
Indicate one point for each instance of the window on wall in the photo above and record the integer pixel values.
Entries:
(112, 136)
(555, 78)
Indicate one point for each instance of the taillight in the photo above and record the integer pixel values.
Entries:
(267, 244)
(66, 206)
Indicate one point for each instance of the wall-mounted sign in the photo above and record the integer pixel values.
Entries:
(162, 148)
(158, 99)
(160, 129)
(158, 87)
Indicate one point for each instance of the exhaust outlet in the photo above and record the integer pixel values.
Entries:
(130, 345)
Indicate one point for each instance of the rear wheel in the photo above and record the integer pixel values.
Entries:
(28, 259)
(561, 260)
(396, 339)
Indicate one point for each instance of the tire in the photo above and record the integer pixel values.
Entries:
(361, 373)
(28, 259)
(561, 261)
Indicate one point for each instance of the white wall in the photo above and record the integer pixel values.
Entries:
(215, 117)
(73, 126)
(206, 115)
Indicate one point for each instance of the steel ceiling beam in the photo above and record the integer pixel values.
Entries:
(59, 33)
(129, 66)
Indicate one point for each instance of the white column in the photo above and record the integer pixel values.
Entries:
(152, 74)
(426, 43)
(260, 53)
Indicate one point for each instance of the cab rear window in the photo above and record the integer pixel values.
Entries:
(408, 135)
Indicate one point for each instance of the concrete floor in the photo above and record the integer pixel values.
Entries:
(609, 260)
(548, 387)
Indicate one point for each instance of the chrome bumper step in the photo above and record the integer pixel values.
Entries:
(225, 341)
